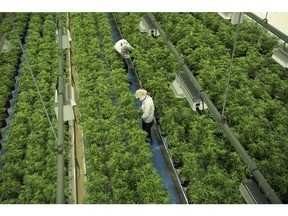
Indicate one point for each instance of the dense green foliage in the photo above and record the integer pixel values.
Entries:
(118, 165)
(29, 156)
(10, 61)
(117, 157)
(255, 107)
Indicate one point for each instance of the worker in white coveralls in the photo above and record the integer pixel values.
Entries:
(123, 48)
(148, 110)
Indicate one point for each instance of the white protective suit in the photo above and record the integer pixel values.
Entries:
(123, 48)
(148, 109)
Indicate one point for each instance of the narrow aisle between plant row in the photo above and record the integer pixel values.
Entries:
(157, 158)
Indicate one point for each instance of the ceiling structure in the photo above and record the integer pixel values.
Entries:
(278, 19)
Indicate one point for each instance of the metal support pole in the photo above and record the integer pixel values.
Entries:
(60, 159)
(269, 192)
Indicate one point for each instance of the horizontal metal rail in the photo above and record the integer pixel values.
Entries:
(252, 167)
(269, 27)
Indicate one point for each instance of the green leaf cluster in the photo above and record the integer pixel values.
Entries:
(255, 108)
(29, 171)
(118, 165)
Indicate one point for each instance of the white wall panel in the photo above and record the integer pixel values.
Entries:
(278, 19)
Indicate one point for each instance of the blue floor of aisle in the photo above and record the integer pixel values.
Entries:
(157, 159)
(162, 169)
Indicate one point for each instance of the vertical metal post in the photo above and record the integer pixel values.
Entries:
(60, 159)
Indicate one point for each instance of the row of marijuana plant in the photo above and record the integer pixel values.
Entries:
(210, 170)
(118, 163)
(10, 61)
(29, 171)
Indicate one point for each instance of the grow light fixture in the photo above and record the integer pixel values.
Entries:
(252, 193)
(175, 86)
(66, 38)
(234, 17)
(69, 103)
(183, 87)
(237, 17)
(5, 46)
(280, 55)
(146, 25)
(225, 15)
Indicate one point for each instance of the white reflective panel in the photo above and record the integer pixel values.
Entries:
(281, 57)
(5, 46)
(225, 15)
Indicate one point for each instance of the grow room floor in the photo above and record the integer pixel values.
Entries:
(161, 165)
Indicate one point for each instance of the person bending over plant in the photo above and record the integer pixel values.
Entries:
(123, 48)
